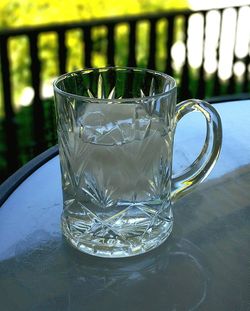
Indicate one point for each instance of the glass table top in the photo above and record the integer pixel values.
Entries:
(203, 265)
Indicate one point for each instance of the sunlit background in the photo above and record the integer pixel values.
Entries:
(31, 13)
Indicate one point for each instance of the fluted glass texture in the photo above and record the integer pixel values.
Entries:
(115, 132)
(115, 129)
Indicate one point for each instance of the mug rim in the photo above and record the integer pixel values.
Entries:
(105, 100)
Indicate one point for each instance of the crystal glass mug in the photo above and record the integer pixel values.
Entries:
(116, 130)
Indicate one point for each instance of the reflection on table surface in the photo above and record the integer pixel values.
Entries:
(204, 265)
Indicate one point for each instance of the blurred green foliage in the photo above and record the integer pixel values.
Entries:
(15, 13)
(27, 13)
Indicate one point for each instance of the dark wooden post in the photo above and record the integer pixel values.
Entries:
(111, 45)
(38, 114)
(184, 86)
(170, 34)
(9, 123)
(201, 74)
(232, 80)
(152, 44)
(217, 84)
(87, 46)
(62, 52)
(132, 43)
(246, 86)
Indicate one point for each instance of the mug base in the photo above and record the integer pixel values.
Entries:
(117, 246)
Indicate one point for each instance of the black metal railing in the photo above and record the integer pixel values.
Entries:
(9, 125)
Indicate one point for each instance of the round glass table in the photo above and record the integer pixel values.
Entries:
(203, 265)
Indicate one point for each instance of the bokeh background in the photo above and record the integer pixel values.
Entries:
(208, 55)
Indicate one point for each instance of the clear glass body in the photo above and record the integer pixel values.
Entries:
(115, 132)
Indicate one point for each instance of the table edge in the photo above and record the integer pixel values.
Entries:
(10, 184)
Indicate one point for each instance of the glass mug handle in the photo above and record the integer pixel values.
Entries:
(201, 167)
